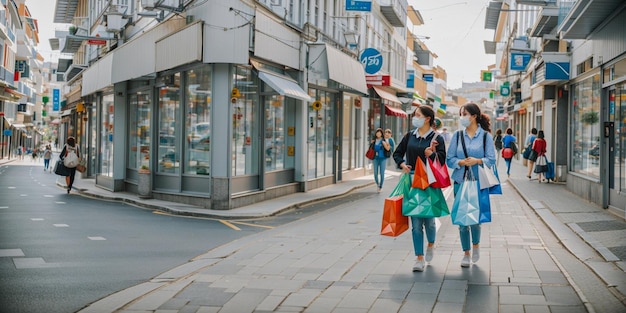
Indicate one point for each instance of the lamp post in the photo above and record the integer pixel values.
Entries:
(352, 39)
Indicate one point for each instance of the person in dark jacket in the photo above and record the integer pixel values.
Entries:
(422, 142)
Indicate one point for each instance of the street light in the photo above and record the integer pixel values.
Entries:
(352, 39)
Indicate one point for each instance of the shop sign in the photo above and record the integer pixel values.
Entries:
(429, 78)
(8, 132)
(97, 42)
(378, 80)
(361, 6)
(372, 60)
(519, 61)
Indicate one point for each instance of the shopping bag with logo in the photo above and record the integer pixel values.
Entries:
(466, 207)
(394, 223)
(423, 175)
(440, 171)
(426, 203)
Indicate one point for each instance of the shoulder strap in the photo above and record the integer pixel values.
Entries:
(463, 143)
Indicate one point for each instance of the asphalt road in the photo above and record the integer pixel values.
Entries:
(60, 252)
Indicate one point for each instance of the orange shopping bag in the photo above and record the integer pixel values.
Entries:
(423, 175)
(394, 223)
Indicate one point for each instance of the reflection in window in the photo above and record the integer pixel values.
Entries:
(198, 121)
(245, 126)
(169, 104)
(320, 135)
(586, 126)
(106, 139)
(139, 131)
(274, 133)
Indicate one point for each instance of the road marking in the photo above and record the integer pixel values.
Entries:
(11, 187)
(253, 225)
(11, 252)
(96, 238)
(60, 202)
(4, 207)
(36, 219)
(23, 195)
(229, 224)
(48, 196)
(61, 225)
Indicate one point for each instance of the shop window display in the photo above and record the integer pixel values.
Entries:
(244, 148)
(586, 131)
(168, 157)
(139, 139)
(106, 133)
(198, 121)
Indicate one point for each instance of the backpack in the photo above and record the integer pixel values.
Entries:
(71, 158)
(47, 154)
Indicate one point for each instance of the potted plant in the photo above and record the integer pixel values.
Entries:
(73, 30)
(144, 184)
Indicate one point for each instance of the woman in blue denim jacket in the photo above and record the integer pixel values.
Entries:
(481, 151)
(380, 160)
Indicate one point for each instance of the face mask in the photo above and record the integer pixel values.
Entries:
(417, 121)
(465, 121)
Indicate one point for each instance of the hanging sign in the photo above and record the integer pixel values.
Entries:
(372, 60)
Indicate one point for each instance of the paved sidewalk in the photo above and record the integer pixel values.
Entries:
(335, 261)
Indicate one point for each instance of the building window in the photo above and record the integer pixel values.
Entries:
(198, 121)
(586, 126)
(168, 157)
(320, 135)
(139, 130)
(106, 140)
(245, 149)
(274, 148)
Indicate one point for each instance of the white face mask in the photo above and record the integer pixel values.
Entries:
(417, 121)
(465, 121)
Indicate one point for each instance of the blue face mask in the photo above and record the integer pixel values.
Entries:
(465, 121)
(417, 121)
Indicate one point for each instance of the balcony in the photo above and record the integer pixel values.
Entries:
(552, 68)
(547, 20)
(64, 11)
(394, 11)
(579, 19)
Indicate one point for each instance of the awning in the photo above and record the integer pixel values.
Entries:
(19, 126)
(66, 112)
(387, 95)
(55, 121)
(389, 110)
(284, 86)
(329, 63)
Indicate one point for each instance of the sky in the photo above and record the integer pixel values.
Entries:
(456, 31)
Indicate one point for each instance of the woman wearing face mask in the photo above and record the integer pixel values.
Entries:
(479, 149)
(422, 142)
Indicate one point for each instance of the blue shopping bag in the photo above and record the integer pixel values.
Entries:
(484, 203)
(466, 207)
(550, 173)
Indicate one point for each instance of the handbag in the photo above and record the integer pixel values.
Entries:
(466, 207)
(60, 169)
(425, 203)
(81, 168)
(533, 156)
(507, 153)
(370, 152)
(71, 158)
(497, 189)
(393, 222)
(527, 152)
(486, 177)
(542, 165)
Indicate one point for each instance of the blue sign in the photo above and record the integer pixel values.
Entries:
(372, 60)
(557, 70)
(410, 81)
(362, 6)
(428, 78)
(519, 61)
(8, 132)
(56, 95)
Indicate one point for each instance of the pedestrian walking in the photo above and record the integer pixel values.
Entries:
(47, 155)
(528, 148)
(69, 148)
(537, 155)
(422, 142)
(497, 142)
(479, 150)
(20, 152)
(391, 142)
(382, 149)
(509, 149)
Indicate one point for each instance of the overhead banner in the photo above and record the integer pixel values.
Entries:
(361, 6)
(519, 61)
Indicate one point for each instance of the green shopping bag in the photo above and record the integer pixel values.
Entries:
(403, 186)
(426, 203)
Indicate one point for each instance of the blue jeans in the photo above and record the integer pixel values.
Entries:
(419, 225)
(464, 232)
(379, 170)
(508, 166)
(46, 163)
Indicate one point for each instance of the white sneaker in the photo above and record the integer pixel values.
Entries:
(429, 254)
(466, 261)
(475, 254)
(419, 266)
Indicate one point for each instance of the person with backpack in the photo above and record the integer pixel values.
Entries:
(70, 156)
(497, 141)
(510, 149)
(47, 155)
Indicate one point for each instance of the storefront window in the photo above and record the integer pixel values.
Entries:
(198, 121)
(139, 130)
(274, 133)
(106, 140)
(320, 135)
(586, 126)
(351, 154)
(617, 113)
(169, 106)
(245, 149)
